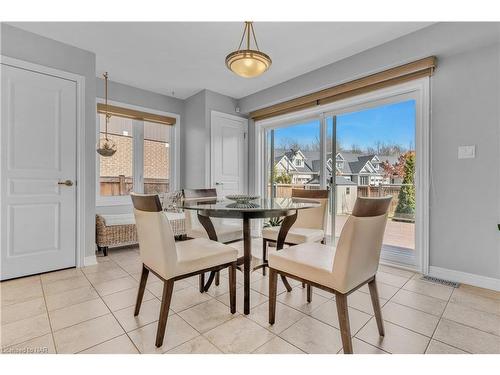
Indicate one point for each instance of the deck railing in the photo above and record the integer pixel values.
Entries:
(285, 191)
(121, 185)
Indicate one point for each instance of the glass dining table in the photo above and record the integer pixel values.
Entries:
(261, 208)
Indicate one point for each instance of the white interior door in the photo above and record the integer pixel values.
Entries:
(38, 152)
(228, 153)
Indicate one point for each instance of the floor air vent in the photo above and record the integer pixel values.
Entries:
(440, 281)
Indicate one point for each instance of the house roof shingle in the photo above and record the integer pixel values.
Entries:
(353, 162)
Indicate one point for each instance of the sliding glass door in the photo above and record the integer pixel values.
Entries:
(294, 158)
(375, 156)
(361, 150)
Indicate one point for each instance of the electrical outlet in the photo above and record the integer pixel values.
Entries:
(467, 152)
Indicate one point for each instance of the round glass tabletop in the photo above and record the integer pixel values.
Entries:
(260, 207)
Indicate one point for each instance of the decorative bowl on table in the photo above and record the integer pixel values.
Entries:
(242, 200)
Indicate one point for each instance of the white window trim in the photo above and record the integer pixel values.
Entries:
(419, 90)
(174, 155)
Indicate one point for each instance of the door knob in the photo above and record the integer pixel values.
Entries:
(219, 183)
(67, 183)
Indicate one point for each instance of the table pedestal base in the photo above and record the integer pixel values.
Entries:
(288, 221)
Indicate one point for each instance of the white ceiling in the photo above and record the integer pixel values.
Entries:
(187, 57)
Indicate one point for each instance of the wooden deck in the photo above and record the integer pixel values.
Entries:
(399, 234)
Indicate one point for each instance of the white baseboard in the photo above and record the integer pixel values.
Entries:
(464, 277)
(89, 261)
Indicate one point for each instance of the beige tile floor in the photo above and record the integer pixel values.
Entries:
(90, 310)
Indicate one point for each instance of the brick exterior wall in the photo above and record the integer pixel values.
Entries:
(156, 163)
(121, 163)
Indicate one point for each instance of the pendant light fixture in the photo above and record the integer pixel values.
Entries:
(248, 63)
(106, 147)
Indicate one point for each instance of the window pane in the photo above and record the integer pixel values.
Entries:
(296, 158)
(116, 171)
(378, 148)
(156, 158)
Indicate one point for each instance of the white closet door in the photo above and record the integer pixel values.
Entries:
(38, 153)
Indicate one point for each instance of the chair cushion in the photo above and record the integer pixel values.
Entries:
(200, 253)
(225, 232)
(295, 235)
(311, 261)
(118, 219)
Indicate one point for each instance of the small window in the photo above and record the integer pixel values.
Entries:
(143, 161)
(116, 171)
(347, 191)
(156, 158)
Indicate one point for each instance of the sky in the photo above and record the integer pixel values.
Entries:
(390, 124)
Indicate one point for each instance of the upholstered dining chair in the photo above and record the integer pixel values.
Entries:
(310, 226)
(172, 261)
(226, 232)
(342, 269)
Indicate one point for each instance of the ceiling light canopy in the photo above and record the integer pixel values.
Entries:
(248, 63)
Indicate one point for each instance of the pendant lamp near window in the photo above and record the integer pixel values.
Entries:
(248, 63)
(106, 147)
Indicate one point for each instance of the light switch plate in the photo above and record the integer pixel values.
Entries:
(467, 152)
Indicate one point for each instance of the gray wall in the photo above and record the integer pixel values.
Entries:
(464, 194)
(194, 142)
(23, 45)
(134, 96)
(195, 161)
(143, 98)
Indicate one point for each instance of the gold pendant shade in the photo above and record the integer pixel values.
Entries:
(248, 63)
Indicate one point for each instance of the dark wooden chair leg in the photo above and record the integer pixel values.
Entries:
(309, 293)
(264, 255)
(142, 287)
(217, 278)
(372, 285)
(168, 287)
(287, 285)
(232, 287)
(211, 278)
(202, 282)
(345, 330)
(273, 287)
(105, 251)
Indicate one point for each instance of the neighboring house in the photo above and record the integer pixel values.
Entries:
(363, 170)
(296, 164)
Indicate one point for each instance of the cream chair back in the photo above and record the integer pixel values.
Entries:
(312, 218)
(358, 250)
(156, 238)
(193, 196)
